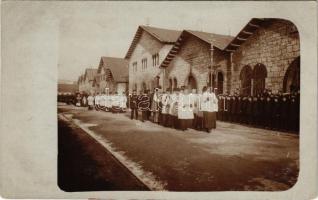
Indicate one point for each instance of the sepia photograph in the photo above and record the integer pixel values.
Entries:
(159, 100)
(183, 109)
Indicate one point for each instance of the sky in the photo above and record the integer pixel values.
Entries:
(89, 30)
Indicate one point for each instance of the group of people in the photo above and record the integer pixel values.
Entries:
(181, 108)
(184, 108)
(114, 103)
(266, 110)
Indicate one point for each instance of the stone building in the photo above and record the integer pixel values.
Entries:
(194, 60)
(265, 54)
(148, 49)
(112, 75)
(86, 81)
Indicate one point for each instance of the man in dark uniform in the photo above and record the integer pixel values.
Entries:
(227, 107)
(243, 109)
(134, 105)
(255, 114)
(249, 110)
(293, 118)
(261, 109)
(284, 112)
(275, 112)
(239, 109)
(221, 107)
(267, 112)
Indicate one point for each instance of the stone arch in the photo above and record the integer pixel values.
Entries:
(246, 76)
(292, 77)
(191, 81)
(259, 76)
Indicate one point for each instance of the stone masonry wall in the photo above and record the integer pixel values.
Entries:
(193, 52)
(276, 45)
(146, 47)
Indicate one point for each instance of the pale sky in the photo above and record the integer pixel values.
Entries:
(89, 30)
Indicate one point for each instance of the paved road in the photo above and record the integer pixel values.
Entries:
(84, 165)
(233, 157)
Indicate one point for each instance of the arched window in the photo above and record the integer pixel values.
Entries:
(192, 83)
(259, 76)
(220, 83)
(175, 83)
(292, 77)
(246, 80)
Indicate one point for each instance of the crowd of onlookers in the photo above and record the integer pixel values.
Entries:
(182, 108)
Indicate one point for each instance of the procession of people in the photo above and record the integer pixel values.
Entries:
(185, 108)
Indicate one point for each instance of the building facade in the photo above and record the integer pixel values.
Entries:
(148, 49)
(86, 81)
(189, 63)
(112, 75)
(265, 55)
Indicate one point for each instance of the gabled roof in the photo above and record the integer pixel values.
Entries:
(165, 36)
(90, 74)
(212, 39)
(248, 30)
(217, 40)
(117, 66)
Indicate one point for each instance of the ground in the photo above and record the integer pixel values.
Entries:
(232, 157)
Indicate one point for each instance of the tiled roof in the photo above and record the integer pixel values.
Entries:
(165, 36)
(217, 40)
(117, 66)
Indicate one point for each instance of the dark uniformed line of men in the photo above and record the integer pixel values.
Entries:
(183, 109)
(266, 110)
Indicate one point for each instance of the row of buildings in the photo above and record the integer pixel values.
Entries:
(265, 54)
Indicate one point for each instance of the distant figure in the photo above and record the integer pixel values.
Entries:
(90, 102)
(133, 101)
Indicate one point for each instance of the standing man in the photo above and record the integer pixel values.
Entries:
(155, 106)
(97, 98)
(144, 105)
(185, 112)
(90, 102)
(123, 102)
(207, 106)
(194, 101)
(133, 101)
(165, 107)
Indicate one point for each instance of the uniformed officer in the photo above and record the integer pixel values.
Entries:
(249, 110)
(256, 113)
(133, 102)
(268, 112)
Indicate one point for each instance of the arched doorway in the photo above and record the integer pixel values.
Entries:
(220, 82)
(175, 83)
(246, 80)
(292, 77)
(259, 76)
(192, 83)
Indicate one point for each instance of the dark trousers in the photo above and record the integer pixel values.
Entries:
(144, 115)
(134, 111)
